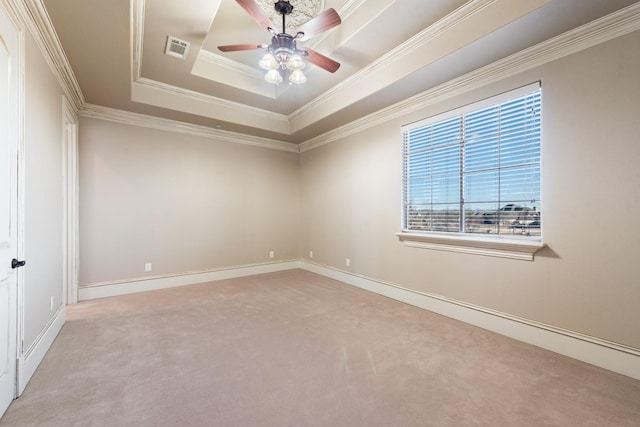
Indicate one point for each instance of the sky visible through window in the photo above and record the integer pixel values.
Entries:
(476, 172)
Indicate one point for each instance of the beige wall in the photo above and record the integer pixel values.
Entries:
(186, 203)
(43, 201)
(181, 202)
(586, 281)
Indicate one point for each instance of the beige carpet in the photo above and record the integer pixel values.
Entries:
(297, 349)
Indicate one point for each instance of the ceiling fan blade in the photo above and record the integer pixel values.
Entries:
(321, 61)
(244, 46)
(256, 12)
(323, 22)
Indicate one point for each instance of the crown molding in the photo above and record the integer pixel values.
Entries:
(209, 105)
(14, 15)
(152, 122)
(206, 105)
(137, 32)
(32, 15)
(390, 59)
(607, 28)
(35, 18)
(164, 95)
(159, 94)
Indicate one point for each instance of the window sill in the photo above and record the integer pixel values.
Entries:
(497, 246)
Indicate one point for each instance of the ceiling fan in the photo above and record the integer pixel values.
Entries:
(283, 59)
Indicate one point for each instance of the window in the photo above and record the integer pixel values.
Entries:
(476, 170)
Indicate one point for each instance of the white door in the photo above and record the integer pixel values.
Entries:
(8, 206)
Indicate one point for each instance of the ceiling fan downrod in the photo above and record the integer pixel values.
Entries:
(283, 7)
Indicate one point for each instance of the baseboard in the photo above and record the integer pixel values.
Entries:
(608, 355)
(110, 289)
(29, 361)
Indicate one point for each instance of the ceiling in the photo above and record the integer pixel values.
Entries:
(389, 51)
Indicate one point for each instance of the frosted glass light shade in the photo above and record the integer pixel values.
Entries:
(297, 77)
(273, 76)
(268, 62)
(295, 62)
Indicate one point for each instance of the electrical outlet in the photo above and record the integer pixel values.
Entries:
(271, 254)
(348, 262)
(310, 254)
(51, 303)
(148, 267)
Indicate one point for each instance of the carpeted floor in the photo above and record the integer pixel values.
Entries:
(297, 349)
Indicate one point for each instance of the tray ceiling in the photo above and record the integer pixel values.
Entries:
(389, 51)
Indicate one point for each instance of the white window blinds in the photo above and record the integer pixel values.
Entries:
(476, 169)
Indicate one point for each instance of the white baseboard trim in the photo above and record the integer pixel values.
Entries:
(608, 355)
(110, 289)
(29, 361)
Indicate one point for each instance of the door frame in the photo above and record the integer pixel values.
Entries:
(21, 191)
(70, 204)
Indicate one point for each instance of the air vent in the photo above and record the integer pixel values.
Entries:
(176, 47)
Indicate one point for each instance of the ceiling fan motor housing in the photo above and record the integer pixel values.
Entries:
(283, 45)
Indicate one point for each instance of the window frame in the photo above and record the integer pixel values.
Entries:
(499, 245)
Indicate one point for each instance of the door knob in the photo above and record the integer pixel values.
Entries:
(15, 263)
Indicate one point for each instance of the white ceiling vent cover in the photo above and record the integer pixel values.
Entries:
(176, 47)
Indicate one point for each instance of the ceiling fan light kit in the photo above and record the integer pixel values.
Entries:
(297, 77)
(273, 76)
(268, 62)
(295, 62)
(284, 57)
(283, 60)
